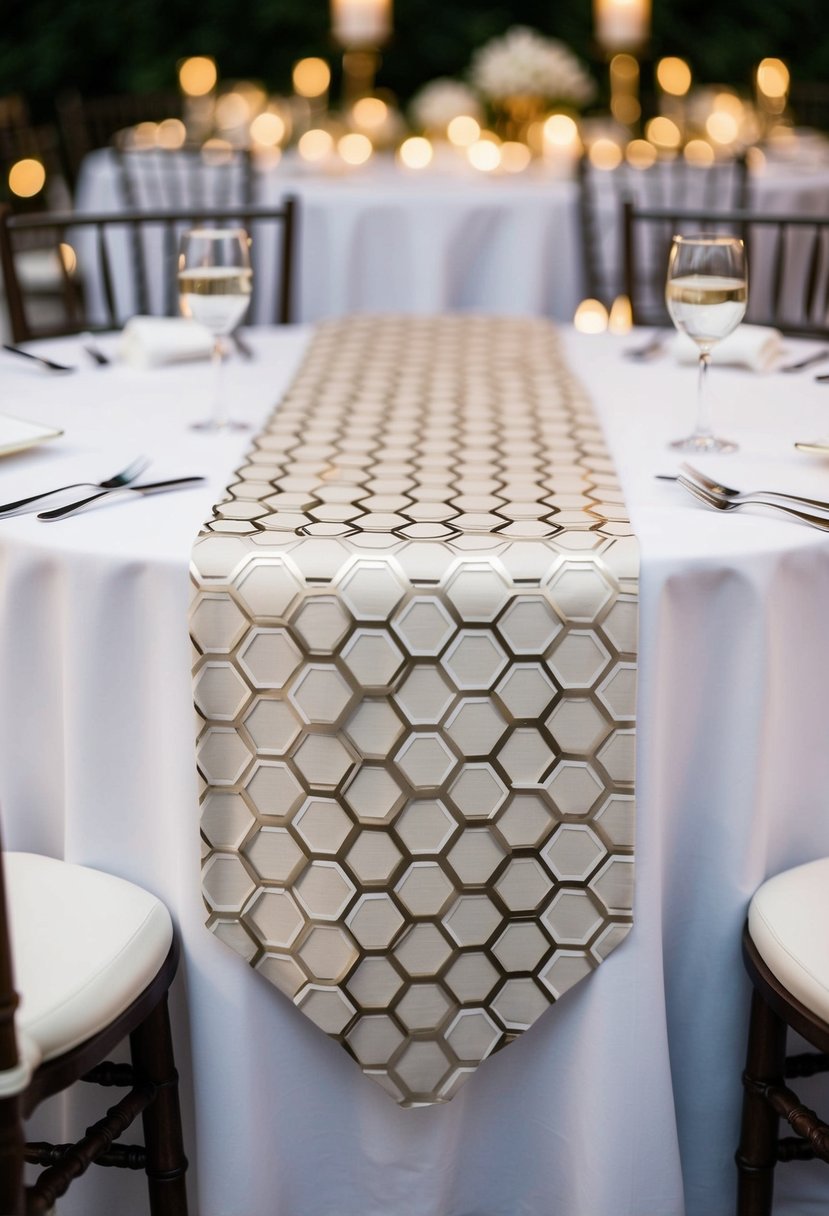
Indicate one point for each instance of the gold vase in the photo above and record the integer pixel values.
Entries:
(516, 114)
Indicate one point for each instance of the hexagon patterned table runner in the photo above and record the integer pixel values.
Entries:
(415, 627)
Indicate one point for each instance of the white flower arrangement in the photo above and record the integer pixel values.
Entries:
(439, 101)
(523, 62)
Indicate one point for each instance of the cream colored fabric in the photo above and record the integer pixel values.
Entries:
(415, 618)
(84, 946)
(787, 921)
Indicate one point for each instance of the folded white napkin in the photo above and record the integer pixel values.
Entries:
(154, 341)
(753, 346)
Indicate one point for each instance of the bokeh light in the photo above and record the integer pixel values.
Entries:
(68, 257)
(561, 131)
(267, 129)
(197, 75)
(673, 76)
(605, 154)
(515, 157)
(625, 69)
(27, 177)
(145, 135)
(620, 320)
(311, 77)
(369, 112)
(722, 127)
(663, 132)
(315, 144)
(773, 78)
(463, 131)
(354, 148)
(216, 152)
(171, 133)
(232, 110)
(415, 153)
(484, 155)
(698, 152)
(640, 154)
(590, 317)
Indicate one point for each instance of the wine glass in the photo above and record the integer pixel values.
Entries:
(706, 294)
(214, 284)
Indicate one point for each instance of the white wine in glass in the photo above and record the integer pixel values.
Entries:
(706, 293)
(214, 283)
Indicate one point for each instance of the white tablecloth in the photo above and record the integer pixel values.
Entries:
(96, 765)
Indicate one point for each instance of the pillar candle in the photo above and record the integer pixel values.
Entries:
(361, 22)
(621, 24)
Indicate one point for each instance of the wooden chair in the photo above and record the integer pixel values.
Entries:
(116, 265)
(788, 263)
(667, 183)
(89, 123)
(786, 953)
(92, 957)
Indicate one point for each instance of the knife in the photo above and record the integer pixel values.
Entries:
(27, 354)
(818, 357)
(150, 487)
(241, 345)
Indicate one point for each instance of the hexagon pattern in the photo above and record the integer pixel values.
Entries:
(415, 677)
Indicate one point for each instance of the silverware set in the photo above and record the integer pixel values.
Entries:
(91, 347)
(118, 485)
(720, 497)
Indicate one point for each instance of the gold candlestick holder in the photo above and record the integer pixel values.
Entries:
(360, 68)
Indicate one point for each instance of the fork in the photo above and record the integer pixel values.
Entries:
(729, 504)
(717, 487)
(111, 483)
(151, 487)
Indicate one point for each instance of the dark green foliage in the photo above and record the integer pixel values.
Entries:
(50, 45)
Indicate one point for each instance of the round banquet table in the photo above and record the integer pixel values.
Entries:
(623, 1099)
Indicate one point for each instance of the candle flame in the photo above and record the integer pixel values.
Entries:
(591, 317)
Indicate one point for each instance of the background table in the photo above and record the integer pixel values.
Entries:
(385, 239)
(97, 765)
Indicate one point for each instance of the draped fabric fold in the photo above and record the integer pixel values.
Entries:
(415, 626)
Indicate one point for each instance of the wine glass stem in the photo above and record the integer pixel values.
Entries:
(703, 426)
(219, 402)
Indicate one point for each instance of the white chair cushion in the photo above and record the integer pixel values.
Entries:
(788, 920)
(84, 946)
